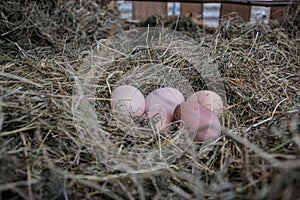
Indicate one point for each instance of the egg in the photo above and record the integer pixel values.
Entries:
(128, 101)
(161, 103)
(159, 114)
(209, 99)
(199, 120)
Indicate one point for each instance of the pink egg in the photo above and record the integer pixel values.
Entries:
(128, 101)
(159, 113)
(209, 99)
(162, 102)
(199, 120)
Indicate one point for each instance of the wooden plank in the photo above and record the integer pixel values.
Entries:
(278, 13)
(187, 9)
(245, 2)
(232, 10)
(143, 10)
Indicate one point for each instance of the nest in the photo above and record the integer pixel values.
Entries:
(59, 138)
(147, 58)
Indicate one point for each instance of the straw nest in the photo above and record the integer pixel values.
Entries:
(60, 139)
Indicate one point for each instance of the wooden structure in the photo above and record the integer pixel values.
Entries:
(277, 8)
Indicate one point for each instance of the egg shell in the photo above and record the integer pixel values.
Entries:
(209, 99)
(199, 120)
(128, 101)
(167, 98)
(159, 113)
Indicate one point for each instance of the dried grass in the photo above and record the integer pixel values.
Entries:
(59, 139)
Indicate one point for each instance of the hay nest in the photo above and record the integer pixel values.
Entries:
(147, 58)
(60, 140)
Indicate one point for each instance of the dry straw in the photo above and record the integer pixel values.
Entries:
(60, 140)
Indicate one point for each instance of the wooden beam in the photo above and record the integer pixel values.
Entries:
(143, 10)
(190, 8)
(231, 10)
(279, 13)
(247, 2)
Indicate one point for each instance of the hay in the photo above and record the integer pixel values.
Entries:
(46, 28)
(60, 140)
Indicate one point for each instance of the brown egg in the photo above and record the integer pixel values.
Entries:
(162, 103)
(199, 120)
(209, 99)
(128, 101)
